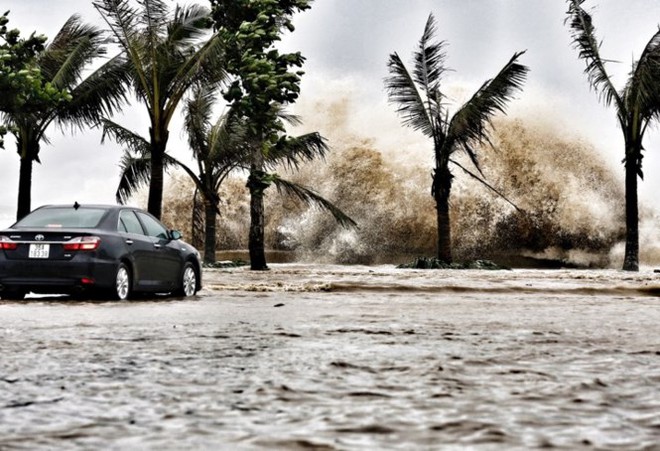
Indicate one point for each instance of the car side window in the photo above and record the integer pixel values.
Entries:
(153, 227)
(129, 222)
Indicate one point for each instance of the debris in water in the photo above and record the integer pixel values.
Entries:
(434, 263)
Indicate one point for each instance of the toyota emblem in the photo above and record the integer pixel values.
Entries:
(39, 237)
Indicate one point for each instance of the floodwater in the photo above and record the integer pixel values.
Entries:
(341, 357)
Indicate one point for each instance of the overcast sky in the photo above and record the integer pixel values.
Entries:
(347, 43)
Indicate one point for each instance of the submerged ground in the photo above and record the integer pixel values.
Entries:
(332, 357)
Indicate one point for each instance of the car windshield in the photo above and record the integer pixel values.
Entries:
(64, 217)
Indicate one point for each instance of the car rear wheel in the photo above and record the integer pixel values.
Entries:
(122, 289)
(13, 295)
(188, 285)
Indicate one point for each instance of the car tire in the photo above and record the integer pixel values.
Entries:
(123, 283)
(188, 281)
(13, 295)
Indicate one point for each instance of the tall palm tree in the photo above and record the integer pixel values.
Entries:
(637, 106)
(219, 148)
(62, 63)
(424, 107)
(166, 53)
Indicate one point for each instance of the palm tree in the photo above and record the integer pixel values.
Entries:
(219, 148)
(165, 55)
(62, 63)
(423, 107)
(637, 106)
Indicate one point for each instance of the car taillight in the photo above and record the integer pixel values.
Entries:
(82, 243)
(7, 244)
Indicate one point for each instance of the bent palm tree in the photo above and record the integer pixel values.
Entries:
(165, 55)
(219, 148)
(61, 64)
(637, 106)
(422, 105)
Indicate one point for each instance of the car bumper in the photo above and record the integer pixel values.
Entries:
(56, 276)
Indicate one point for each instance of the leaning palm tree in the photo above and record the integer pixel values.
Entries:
(166, 53)
(424, 107)
(637, 106)
(62, 63)
(219, 148)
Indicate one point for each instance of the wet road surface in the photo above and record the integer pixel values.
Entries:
(329, 357)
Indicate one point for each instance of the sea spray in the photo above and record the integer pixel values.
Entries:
(570, 201)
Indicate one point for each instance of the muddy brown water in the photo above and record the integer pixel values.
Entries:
(332, 357)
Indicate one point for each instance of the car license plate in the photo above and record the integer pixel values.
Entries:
(39, 250)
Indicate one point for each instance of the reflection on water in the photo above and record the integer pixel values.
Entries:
(329, 357)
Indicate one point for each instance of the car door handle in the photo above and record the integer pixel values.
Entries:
(157, 246)
(129, 242)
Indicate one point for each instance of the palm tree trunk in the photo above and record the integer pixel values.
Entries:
(441, 191)
(631, 258)
(256, 238)
(210, 215)
(197, 227)
(158, 146)
(24, 188)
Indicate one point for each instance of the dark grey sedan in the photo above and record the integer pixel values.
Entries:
(108, 249)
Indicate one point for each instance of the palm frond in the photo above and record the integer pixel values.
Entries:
(309, 197)
(135, 174)
(429, 59)
(485, 183)
(197, 120)
(643, 87)
(169, 161)
(125, 23)
(402, 91)
(99, 95)
(583, 33)
(469, 125)
(292, 151)
(73, 48)
(155, 20)
(122, 20)
(204, 66)
(291, 119)
(228, 142)
(189, 25)
(130, 141)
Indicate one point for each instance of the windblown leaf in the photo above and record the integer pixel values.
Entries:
(135, 173)
(429, 59)
(583, 33)
(411, 105)
(129, 140)
(73, 48)
(295, 150)
(309, 197)
(642, 91)
(99, 95)
(469, 126)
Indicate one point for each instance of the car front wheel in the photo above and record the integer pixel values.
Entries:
(188, 284)
(122, 289)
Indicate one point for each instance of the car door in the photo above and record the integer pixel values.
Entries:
(168, 261)
(140, 248)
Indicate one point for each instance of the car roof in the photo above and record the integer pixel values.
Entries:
(99, 206)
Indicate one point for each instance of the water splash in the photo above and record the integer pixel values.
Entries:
(571, 200)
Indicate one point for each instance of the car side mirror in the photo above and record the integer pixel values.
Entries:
(175, 235)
